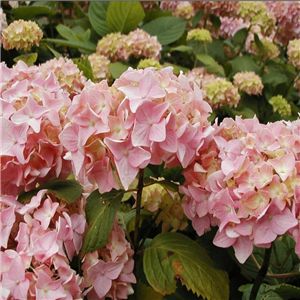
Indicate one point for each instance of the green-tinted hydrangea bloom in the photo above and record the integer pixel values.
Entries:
(281, 105)
(200, 35)
(149, 62)
(293, 52)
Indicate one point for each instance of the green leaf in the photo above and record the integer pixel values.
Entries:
(66, 33)
(154, 14)
(30, 12)
(73, 44)
(172, 256)
(274, 79)
(244, 63)
(240, 36)
(124, 16)
(66, 190)
(167, 29)
(197, 17)
(214, 49)
(182, 48)
(55, 53)
(210, 64)
(286, 291)
(258, 43)
(145, 292)
(29, 60)
(117, 69)
(101, 210)
(97, 16)
(215, 21)
(85, 66)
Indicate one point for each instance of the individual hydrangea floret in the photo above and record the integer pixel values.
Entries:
(21, 34)
(248, 82)
(200, 35)
(184, 9)
(281, 105)
(149, 62)
(67, 73)
(293, 52)
(221, 92)
(100, 66)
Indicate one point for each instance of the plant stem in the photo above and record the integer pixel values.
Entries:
(261, 274)
(138, 209)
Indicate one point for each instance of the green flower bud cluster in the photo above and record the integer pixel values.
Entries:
(149, 62)
(281, 105)
(200, 35)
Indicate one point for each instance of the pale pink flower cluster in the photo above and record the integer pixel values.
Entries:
(137, 43)
(246, 181)
(70, 78)
(108, 272)
(184, 9)
(3, 23)
(149, 5)
(169, 5)
(38, 241)
(200, 76)
(100, 66)
(230, 25)
(147, 116)
(21, 34)
(32, 116)
(287, 14)
(248, 82)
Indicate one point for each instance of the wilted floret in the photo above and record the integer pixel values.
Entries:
(100, 66)
(293, 52)
(221, 92)
(149, 62)
(184, 9)
(21, 35)
(248, 82)
(281, 105)
(200, 35)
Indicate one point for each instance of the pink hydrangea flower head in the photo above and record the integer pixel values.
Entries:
(66, 72)
(142, 44)
(184, 9)
(248, 82)
(229, 26)
(21, 34)
(168, 5)
(200, 76)
(113, 46)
